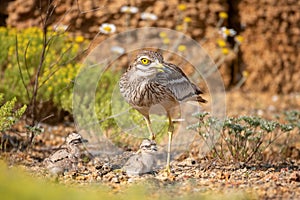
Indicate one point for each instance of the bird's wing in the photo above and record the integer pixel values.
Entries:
(134, 165)
(59, 155)
(132, 160)
(174, 79)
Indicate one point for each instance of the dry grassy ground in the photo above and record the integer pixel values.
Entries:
(267, 60)
(276, 176)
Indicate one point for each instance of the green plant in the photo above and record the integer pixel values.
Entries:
(8, 114)
(242, 138)
(59, 66)
(39, 68)
(293, 118)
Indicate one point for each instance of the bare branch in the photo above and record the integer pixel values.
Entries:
(20, 70)
(55, 70)
(92, 10)
(47, 117)
(25, 59)
(33, 102)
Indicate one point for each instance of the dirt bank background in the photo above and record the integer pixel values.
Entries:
(271, 31)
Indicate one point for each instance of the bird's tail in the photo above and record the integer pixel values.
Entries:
(200, 99)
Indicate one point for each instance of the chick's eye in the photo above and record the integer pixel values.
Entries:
(145, 61)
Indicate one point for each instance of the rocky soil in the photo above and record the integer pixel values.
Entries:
(276, 176)
(268, 60)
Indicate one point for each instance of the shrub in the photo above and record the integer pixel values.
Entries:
(103, 95)
(293, 118)
(8, 114)
(242, 138)
(20, 60)
(21, 56)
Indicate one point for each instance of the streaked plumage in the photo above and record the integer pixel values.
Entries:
(144, 161)
(66, 158)
(150, 80)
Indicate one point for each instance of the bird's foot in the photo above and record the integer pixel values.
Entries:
(168, 170)
(168, 174)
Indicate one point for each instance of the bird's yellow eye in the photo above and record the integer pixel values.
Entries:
(145, 61)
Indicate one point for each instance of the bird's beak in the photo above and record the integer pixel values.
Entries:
(159, 67)
(84, 140)
(154, 148)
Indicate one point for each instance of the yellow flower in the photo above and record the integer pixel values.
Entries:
(245, 73)
(3, 29)
(70, 76)
(163, 34)
(166, 41)
(221, 43)
(69, 66)
(181, 48)
(179, 27)
(65, 80)
(13, 31)
(223, 15)
(181, 7)
(239, 39)
(225, 51)
(225, 32)
(50, 28)
(11, 51)
(79, 39)
(187, 19)
(75, 48)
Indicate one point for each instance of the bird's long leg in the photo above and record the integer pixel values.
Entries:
(170, 134)
(148, 122)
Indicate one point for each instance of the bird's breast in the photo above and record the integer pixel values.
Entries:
(143, 93)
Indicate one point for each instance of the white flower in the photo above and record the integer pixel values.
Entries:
(225, 32)
(232, 32)
(60, 27)
(275, 98)
(129, 9)
(117, 50)
(148, 16)
(107, 28)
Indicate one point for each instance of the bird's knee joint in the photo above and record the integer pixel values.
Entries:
(171, 129)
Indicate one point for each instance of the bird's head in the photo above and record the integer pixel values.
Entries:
(149, 63)
(75, 138)
(148, 146)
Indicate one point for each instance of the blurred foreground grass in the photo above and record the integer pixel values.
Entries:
(17, 184)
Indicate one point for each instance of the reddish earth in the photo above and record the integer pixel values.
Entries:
(268, 55)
